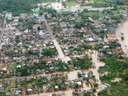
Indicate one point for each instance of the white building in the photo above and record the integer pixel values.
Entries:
(57, 6)
(9, 15)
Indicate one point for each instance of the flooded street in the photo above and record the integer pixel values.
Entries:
(73, 75)
(122, 31)
(95, 70)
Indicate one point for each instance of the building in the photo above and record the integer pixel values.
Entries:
(9, 15)
(57, 6)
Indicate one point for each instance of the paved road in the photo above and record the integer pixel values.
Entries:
(61, 54)
(123, 29)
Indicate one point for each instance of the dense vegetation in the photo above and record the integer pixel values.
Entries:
(17, 6)
(116, 68)
(106, 3)
(49, 52)
(116, 89)
(84, 63)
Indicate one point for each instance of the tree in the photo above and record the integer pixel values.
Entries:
(48, 52)
(122, 38)
(84, 63)
(17, 39)
(79, 23)
(17, 6)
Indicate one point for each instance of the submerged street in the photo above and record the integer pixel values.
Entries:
(122, 31)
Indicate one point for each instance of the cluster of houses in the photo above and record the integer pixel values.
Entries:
(27, 38)
(60, 5)
(27, 49)
(52, 83)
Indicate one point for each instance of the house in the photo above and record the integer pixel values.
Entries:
(63, 24)
(57, 6)
(1, 88)
(17, 92)
(23, 15)
(9, 16)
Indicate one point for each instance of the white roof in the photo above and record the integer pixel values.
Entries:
(57, 6)
(90, 39)
(18, 66)
(0, 85)
(79, 83)
(4, 68)
(56, 87)
(29, 89)
(41, 32)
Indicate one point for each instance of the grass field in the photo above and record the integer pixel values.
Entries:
(13, 83)
(70, 4)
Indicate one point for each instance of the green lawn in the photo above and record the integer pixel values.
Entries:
(12, 66)
(70, 4)
(48, 0)
(1, 66)
(13, 83)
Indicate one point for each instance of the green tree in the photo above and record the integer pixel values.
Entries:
(49, 52)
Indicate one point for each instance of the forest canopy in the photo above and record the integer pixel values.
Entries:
(18, 6)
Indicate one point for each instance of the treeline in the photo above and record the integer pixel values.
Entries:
(18, 6)
(122, 2)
